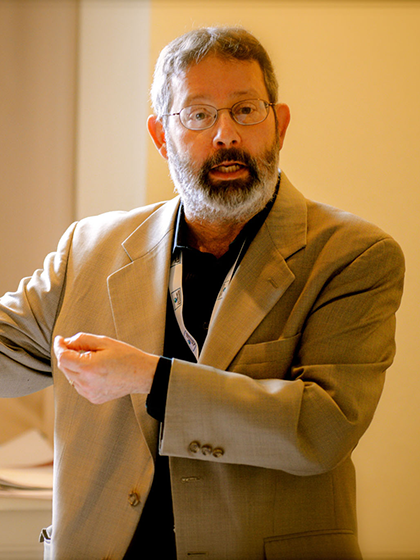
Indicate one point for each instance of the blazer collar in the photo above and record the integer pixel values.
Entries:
(153, 231)
(287, 221)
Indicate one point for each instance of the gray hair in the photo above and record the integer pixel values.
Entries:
(233, 43)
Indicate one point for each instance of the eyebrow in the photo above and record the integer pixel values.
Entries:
(193, 99)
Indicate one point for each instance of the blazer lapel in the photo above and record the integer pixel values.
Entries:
(138, 295)
(261, 279)
(138, 291)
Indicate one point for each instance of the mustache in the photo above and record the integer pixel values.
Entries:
(226, 155)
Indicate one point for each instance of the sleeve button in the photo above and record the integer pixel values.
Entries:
(218, 452)
(194, 447)
(206, 449)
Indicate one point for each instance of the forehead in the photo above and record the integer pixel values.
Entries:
(217, 80)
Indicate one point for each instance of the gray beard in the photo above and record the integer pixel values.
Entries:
(234, 201)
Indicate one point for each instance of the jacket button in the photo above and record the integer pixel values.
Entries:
(218, 452)
(206, 449)
(133, 499)
(194, 447)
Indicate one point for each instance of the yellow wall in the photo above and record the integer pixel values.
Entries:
(350, 72)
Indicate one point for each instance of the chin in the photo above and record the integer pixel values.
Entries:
(218, 187)
(228, 203)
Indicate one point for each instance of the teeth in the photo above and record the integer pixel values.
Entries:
(229, 168)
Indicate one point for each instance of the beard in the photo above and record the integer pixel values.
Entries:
(228, 201)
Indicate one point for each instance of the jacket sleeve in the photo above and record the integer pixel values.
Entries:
(308, 421)
(27, 319)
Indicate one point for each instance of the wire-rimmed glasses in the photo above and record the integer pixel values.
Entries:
(202, 116)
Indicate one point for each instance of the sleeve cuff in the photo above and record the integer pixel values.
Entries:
(156, 399)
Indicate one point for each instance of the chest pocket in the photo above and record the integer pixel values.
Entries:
(266, 359)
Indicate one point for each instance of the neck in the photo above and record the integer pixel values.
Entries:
(212, 237)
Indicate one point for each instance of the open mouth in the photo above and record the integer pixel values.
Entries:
(228, 167)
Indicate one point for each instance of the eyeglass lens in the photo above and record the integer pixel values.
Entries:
(248, 112)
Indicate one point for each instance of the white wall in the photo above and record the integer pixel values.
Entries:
(112, 105)
(37, 88)
(37, 114)
(74, 91)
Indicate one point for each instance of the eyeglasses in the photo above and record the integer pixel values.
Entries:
(200, 117)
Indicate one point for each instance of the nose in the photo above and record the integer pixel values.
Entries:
(226, 133)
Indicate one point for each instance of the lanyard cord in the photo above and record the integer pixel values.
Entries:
(177, 297)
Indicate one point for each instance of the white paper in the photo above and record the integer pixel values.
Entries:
(26, 469)
(29, 449)
(38, 478)
(6, 492)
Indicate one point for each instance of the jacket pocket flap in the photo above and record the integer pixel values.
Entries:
(315, 545)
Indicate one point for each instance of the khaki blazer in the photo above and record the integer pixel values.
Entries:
(260, 432)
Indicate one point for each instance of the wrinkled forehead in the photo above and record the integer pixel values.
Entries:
(215, 78)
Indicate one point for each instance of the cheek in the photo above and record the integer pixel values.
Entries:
(185, 141)
(196, 149)
(185, 152)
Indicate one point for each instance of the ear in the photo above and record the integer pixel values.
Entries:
(283, 119)
(157, 133)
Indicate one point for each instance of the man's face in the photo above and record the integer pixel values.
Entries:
(227, 172)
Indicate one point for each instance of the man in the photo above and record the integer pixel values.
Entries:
(216, 357)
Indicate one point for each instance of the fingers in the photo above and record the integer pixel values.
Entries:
(84, 342)
(67, 357)
(74, 355)
(60, 349)
(85, 360)
(77, 350)
(102, 368)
